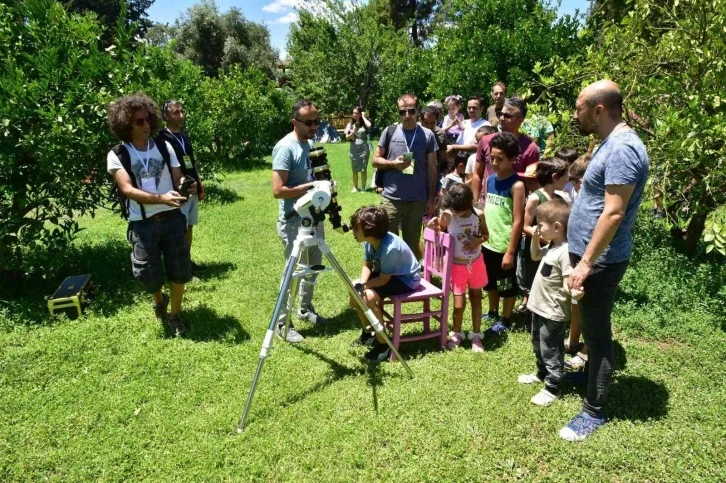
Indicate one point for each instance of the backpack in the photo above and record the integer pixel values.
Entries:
(125, 157)
(378, 176)
(174, 142)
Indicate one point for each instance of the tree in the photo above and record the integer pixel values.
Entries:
(670, 63)
(217, 41)
(414, 16)
(109, 11)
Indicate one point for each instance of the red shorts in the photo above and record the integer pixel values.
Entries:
(473, 275)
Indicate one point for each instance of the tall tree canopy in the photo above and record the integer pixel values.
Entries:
(108, 11)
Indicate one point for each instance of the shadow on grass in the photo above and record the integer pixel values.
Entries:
(216, 270)
(217, 194)
(113, 282)
(206, 325)
(637, 398)
(344, 321)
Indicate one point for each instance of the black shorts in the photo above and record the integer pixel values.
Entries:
(505, 281)
(395, 286)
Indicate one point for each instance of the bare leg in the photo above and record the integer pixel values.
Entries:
(363, 176)
(158, 297)
(475, 298)
(459, 307)
(176, 295)
(508, 306)
(355, 180)
(493, 296)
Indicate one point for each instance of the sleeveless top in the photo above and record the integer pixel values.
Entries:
(499, 212)
(461, 229)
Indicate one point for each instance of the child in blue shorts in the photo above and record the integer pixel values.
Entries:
(389, 268)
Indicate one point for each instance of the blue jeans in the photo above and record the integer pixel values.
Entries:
(596, 306)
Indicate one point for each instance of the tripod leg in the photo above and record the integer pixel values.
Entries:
(377, 326)
(270, 334)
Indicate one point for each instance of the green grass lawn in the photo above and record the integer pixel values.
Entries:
(108, 397)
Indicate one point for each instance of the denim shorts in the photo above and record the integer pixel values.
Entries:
(157, 236)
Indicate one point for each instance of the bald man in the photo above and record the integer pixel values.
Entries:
(600, 237)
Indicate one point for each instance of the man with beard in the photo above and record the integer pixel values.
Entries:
(292, 177)
(600, 237)
(499, 93)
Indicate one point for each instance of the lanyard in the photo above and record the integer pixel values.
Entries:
(181, 141)
(413, 139)
(146, 164)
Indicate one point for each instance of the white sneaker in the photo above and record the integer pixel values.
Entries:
(544, 398)
(529, 379)
(293, 336)
(354, 190)
(309, 315)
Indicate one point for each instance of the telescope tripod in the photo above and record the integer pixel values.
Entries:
(292, 275)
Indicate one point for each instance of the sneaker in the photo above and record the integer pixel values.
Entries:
(309, 315)
(490, 318)
(499, 328)
(176, 326)
(580, 427)
(365, 339)
(529, 379)
(379, 352)
(544, 398)
(575, 364)
(476, 343)
(455, 339)
(293, 336)
(160, 309)
(196, 268)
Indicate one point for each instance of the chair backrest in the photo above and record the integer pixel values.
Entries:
(438, 256)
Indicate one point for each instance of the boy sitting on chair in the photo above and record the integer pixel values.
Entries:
(389, 268)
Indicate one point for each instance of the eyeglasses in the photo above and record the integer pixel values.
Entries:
(506, 115)
(309, 123)
(411, 111)
(142, 121)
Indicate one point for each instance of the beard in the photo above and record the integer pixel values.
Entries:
(585, 128)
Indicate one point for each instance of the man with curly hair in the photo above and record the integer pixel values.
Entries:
(146, 173)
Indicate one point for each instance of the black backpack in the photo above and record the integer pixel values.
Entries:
(125, 157)
(378, 176)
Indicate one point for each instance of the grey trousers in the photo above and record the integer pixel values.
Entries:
(309, 256)
(548, 344)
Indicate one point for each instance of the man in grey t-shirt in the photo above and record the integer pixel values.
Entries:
(409, 186)
(291, 179)
(600, 237)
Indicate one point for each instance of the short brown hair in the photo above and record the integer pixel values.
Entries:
(372, 220)
(568, 154)
(554, 211)
(121, 113)
(578, 168)
(548, 167)
(409, 96)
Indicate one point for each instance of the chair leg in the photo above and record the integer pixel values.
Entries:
(444, 322)
(427, 320)
(396, 327)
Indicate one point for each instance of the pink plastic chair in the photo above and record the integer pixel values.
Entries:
(438, 259)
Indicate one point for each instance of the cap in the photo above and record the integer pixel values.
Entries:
(529, 172)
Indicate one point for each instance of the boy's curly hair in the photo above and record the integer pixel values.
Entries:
(121, 113)
(372, 220)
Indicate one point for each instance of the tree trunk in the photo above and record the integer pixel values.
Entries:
(693, 232)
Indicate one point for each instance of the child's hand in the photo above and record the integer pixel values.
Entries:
(507, 261)
(434, 224)
(576, 294)
(472, 243)
(537, 234)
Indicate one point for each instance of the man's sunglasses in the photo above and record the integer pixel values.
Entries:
(507, 116)
(309, 122)
(411, 111)
(142, 121)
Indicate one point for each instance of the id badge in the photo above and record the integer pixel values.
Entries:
(188, 164)
(148, 185)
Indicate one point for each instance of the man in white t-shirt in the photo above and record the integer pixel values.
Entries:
(466, 140)
(146, 173)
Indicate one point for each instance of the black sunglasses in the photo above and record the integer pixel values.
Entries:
(411, 111)
(142, 121)
(309, 122)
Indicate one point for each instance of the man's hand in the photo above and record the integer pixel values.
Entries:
(578, 276)
(430, 207)
(400, 164)
(192, 188)
(507, 261)
(172, 198)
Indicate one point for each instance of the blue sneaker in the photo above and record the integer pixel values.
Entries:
(499, 328)
(580, 427)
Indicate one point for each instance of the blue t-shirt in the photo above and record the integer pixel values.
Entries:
(393, 257)
(620, 160)
(291, 155)
(408, 187)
